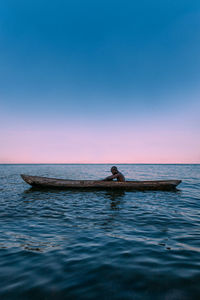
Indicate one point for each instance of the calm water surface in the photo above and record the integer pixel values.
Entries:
(100, 244)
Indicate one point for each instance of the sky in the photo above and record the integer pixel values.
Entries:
(99, 81)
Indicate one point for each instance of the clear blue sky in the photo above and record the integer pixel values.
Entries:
(83, 66)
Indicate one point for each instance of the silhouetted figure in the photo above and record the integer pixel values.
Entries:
(116, 175)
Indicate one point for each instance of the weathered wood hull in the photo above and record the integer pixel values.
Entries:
(45, 182)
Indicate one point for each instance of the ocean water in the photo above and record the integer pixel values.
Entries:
(99, 244)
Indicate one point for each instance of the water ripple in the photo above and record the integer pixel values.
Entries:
(100, 244)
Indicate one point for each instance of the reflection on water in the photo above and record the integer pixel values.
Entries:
(115, 197)
(99, 244)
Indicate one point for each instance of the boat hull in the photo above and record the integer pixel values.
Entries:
(45, 182)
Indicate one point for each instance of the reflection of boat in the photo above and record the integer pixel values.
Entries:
(45, 182)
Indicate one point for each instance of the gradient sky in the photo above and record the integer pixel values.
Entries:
(99, 81)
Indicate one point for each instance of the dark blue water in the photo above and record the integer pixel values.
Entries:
(100, 244)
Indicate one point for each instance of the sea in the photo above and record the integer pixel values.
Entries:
(99, 244)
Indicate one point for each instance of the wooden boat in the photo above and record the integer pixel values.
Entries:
(45, 182)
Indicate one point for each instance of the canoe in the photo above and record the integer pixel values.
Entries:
(45, 182)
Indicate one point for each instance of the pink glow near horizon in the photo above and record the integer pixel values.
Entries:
(86, 145)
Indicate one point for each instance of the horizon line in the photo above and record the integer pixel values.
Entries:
(106, 163)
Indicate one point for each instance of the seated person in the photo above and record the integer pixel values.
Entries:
(116, 175)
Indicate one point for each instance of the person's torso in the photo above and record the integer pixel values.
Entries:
(120, 177)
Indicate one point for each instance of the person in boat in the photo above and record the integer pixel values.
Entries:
(115, 175)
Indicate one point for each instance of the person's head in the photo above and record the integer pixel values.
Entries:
(114, 170)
